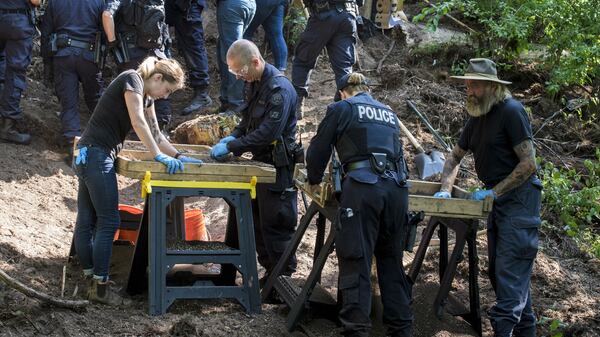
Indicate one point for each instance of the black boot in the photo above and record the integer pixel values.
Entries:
(200, 100)
(9, 133)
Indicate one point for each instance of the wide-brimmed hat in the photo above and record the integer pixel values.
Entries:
(483, 70)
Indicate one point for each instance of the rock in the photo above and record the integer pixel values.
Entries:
(205, 130)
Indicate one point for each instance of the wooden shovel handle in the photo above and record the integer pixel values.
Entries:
(411, 138)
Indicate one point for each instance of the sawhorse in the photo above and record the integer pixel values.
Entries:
(466, 233)
(299, 299)
(153, 254)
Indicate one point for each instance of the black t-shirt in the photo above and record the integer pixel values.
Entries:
(110, 122)
(493, 136)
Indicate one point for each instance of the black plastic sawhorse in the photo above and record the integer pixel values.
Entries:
(152, 252)
(299, 299)
(466, 233)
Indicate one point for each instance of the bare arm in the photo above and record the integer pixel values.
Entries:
(524, 169)
(160, 139)
(135, 107)
(108, 23)
(451, 168)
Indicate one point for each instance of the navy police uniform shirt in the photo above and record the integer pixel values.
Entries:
(493, 136)
(14, 4)
(357, 126)
(268, 116)
(80, 20)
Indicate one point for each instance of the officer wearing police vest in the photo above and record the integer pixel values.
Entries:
(268, 130)
(373, 216)
(72, 41)
(139, 31)
(16, 41)
(331, 25)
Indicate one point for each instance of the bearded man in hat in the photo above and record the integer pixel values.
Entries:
(498, 133)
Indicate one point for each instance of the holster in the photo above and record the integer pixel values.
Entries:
(121, 53)
(99, 49)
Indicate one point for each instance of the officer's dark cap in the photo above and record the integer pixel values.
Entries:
(343, 82)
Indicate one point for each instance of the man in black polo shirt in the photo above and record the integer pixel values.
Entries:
(499, 135)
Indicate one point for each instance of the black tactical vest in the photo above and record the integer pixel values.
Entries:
(373, 128)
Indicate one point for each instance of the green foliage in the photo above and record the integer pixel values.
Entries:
(569, 30)
(575, 197)
(294, 24)
(554, 326)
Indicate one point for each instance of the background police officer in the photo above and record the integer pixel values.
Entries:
(373, 205)
(71, 36)
(186, 17)
(268, 130)
(137, 29)
(332, 24)
(16, 40)
(499, 135)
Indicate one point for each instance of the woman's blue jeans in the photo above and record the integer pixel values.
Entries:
(97, 211)
(270, 14)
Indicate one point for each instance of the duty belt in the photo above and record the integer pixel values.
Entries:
(14, 11)
(69, 42)
(391, 166)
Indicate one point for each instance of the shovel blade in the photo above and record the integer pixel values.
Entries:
(429, 164)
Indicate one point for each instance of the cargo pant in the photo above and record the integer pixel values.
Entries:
(16, 42)
(375, 225)
(275, 215)
(333, 30)
(69, 70)
(513, 243)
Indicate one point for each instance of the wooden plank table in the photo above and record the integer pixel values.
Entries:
(134, 163)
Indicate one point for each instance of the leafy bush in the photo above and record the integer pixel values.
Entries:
(575, 198)
(294, 24)
(569, 30)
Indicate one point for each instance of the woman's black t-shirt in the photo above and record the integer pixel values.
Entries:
(110, 122)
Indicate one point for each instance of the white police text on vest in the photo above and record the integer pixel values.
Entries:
(376, 114)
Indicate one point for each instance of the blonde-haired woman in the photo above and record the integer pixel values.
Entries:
(127, 103)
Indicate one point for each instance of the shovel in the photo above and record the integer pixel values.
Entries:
(428, 163)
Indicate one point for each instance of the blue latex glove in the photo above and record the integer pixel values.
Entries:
(442, 194)
(227, 139)
(219, 150)
(172, 164)
(82, 156)
(482, 194)
(185, 159)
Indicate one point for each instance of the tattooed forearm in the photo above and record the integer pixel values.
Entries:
(451, 168)
(526, 167)
(153, 125)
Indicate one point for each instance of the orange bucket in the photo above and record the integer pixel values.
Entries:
(195, 229)
(130, 235)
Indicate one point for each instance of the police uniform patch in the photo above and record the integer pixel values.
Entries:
(275, 114)
(276, 99)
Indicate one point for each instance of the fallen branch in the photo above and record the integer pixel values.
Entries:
(389, 51)
(460, 23)
(78, 304)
